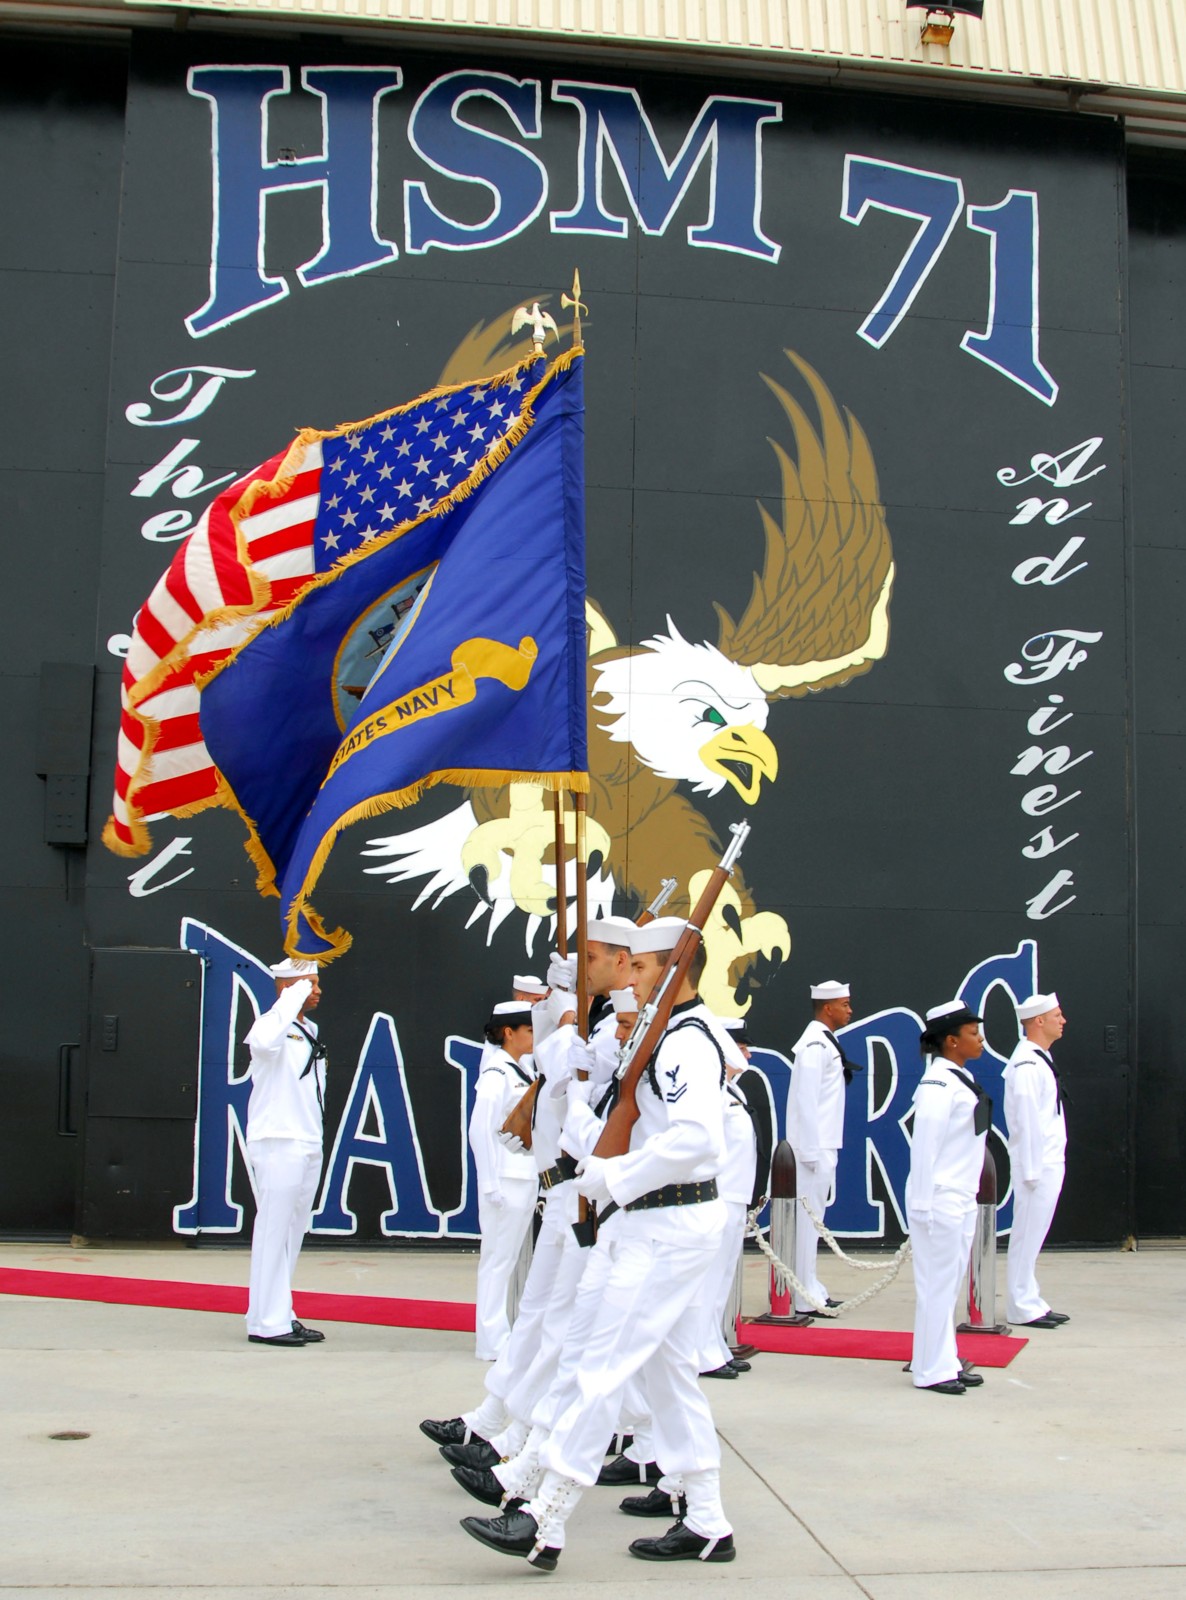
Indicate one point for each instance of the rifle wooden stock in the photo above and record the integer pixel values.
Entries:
(520, 1115)
(615, 1136)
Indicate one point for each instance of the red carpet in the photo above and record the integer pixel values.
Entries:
(867, 1344)
(381, 1310)
(985, 1349)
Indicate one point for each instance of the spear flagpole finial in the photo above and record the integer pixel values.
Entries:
(574, 300)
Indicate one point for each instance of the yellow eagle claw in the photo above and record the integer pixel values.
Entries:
(511, 849)
(729, 939)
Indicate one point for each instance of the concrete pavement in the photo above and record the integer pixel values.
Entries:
(237, 1472)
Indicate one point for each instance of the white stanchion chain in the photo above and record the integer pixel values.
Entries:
(833, 1244)
(786, 1279)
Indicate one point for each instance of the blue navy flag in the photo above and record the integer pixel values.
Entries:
(441, 641)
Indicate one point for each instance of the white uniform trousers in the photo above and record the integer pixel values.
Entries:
(714, 1348)
(285, 1172)
(520, 1354)
(816, 1188)
(503, 1230)
(941, 1250)
(647, 1316)
(1033, 1212)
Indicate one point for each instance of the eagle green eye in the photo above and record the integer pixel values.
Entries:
(712, 715)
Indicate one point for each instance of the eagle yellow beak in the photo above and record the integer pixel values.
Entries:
(743, 756)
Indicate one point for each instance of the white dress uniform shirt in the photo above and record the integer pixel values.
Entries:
(1037, 1156)
(946, 1159)
(815, 1105)
(285, 1101)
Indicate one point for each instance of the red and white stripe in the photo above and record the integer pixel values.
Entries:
(182, 632)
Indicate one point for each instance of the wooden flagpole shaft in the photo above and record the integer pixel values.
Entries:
(582, 929)
(561, 877)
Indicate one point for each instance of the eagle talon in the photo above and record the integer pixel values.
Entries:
(480, 881)
(593, 867)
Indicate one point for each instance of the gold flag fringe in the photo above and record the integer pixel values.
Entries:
(375, 806)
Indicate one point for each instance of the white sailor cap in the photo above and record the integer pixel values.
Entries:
(611, 930)
(623, 1001)
(1036, 1006)
(290, 967)
(661, 934)
(831, 990)
(512, 1013)
(951, 1016)
(527, 984)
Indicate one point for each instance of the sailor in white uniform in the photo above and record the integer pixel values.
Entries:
(735, 1183)
(815, 1125)
(284, 1132)
(663, 1191)
(507, 1180)
(952, 1114)
(1037, 1155)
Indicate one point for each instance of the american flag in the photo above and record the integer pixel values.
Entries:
(261, 543)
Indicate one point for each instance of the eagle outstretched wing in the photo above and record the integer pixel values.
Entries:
(818, 614)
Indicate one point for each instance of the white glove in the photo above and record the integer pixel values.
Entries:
(559, 1004)
(562, 973)
(1031, 1183)
(808, 1166)
(581, 1091)
(512, 1142)
(494, 1198)
(591, 1182)
(922, 1219)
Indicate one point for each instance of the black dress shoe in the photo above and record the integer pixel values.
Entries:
(739, 1366)
(622, 1472)
(515, 1534)
(289, 1341)
(309, 1335)
(1058, 1316)
(955, 1386)
(656, 1504)
(1040, 1322)
(727, 1371)
(453, 1431)
(477, 1453)
(681, 1544)
(484, 1486)
(971, 1380)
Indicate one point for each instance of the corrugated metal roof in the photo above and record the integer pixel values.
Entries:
(1138, 45)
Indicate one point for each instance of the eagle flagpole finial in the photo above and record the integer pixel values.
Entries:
(540, 323)
(574, 300)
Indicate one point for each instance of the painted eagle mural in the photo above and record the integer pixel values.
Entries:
(670, 719)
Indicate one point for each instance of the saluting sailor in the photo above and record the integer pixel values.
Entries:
(815, 1125)
(507, 1184)
(1037, 1154)
(952, 1114)
(285, 1115)
(647, 1313)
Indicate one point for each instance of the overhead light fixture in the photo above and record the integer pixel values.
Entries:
(940, 20)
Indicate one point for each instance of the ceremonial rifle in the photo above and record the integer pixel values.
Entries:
(654, 1016)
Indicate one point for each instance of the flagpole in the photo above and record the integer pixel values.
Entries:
(582, 928)
(561, 877)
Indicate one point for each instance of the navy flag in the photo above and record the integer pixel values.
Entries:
(445, 644)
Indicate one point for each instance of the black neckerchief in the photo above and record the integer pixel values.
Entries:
(982, 1116)
(526, 1077)
(1058, 1094)
(601, 1007)
(317, 1052)
(849, 1066)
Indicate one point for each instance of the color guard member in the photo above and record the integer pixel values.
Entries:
(1037, 1155)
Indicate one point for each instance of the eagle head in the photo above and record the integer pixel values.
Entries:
(689, 713)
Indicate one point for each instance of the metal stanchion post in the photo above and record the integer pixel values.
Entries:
(982, 1268)
(783, 1212)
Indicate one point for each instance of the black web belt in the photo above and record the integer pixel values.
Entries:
(671, 1194)
(564, 1169)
